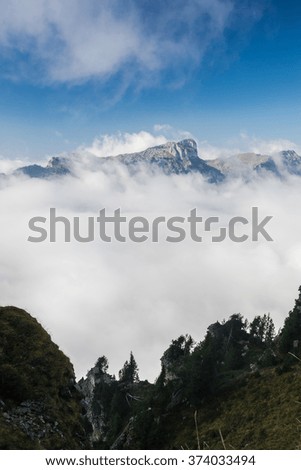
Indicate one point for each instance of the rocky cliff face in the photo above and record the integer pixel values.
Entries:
(111, 405)
(40, 406)
(96, 412)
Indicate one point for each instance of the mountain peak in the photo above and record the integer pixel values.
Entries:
(188, 143)
(185, 148)
(184, 144)
(171, 158)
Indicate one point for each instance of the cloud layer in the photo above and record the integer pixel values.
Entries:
(64, 41)
(99, 298)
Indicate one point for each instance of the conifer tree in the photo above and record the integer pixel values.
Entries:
(290, 336)
(129, 373)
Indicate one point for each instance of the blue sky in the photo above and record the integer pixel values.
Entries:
(70, 72)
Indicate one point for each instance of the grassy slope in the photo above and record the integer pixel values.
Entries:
(261, 412)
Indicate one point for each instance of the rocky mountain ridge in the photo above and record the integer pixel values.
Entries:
(172, 158)
(251, 165)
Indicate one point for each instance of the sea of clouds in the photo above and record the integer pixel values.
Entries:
(110, 298)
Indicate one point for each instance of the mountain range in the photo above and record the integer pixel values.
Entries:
(172, 158)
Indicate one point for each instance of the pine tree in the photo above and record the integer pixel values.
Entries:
(290, 336)
(129, 373)
(262, 329)
(269, 331)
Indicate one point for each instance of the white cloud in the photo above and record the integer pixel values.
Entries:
(243, 144)
(74, 41)
(125, 142)
(268, 147)
(99, 298)
(7, 165)
(115, 144)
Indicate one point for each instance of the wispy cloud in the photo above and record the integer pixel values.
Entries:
(267, 146)
(245, 143)
(69, 41)
(7, 165)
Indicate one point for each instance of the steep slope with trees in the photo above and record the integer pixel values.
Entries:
(240, 385)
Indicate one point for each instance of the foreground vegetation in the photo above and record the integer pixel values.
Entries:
(239, 388)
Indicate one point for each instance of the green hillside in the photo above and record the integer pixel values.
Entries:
(40, 406)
